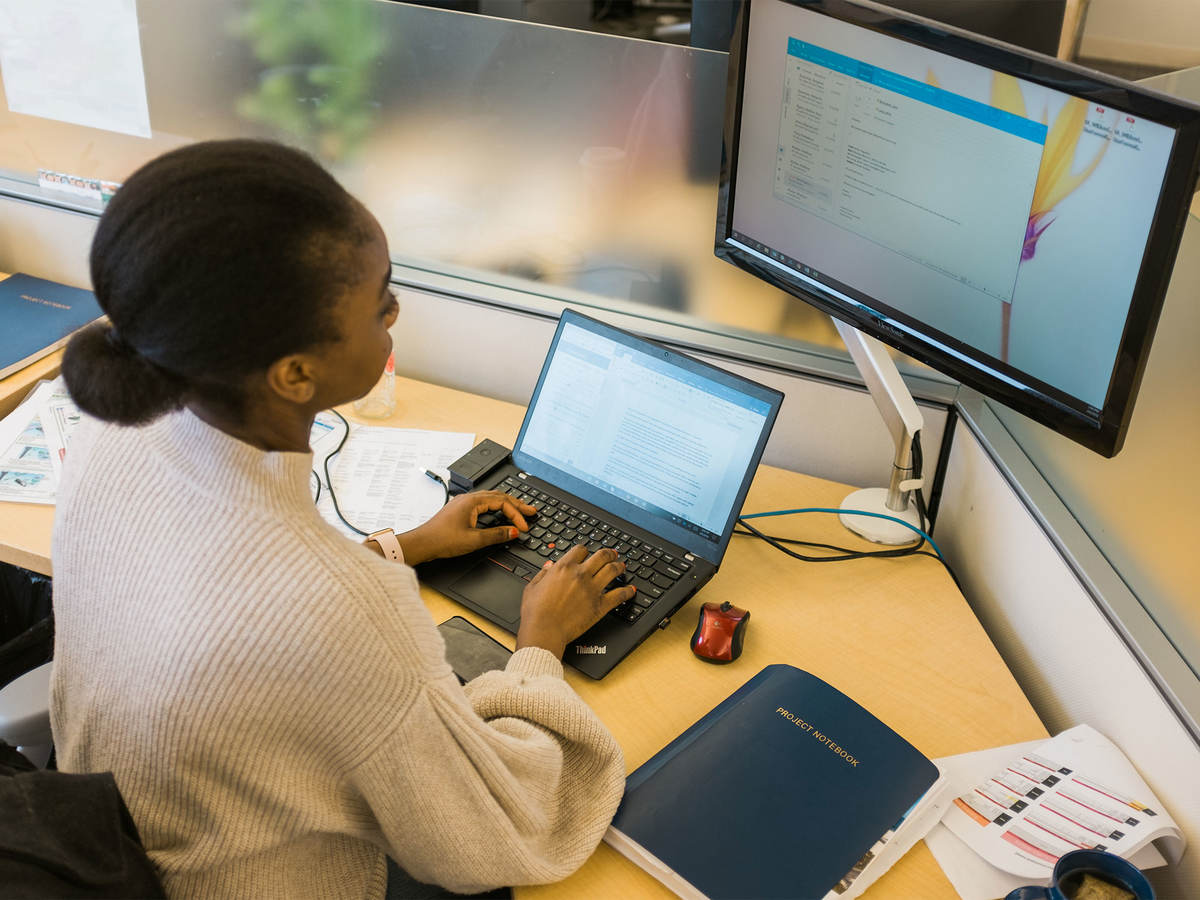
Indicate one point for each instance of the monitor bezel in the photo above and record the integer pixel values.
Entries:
(1103, 431)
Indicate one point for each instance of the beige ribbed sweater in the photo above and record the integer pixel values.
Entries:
(274, 699)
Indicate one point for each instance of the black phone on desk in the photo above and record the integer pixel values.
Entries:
(471, 651)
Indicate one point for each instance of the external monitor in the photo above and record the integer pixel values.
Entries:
(1005, 217)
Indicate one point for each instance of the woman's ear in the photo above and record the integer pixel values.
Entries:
(293, 378)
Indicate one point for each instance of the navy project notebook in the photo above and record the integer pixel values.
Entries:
(788, 788)
(38, 317)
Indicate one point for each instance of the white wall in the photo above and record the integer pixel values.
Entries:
(44, 242)
(498, 353)
(1071, 662)
(1155, 32)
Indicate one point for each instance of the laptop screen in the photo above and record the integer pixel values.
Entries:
(661, 439)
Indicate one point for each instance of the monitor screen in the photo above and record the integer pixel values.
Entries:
(1005, 217)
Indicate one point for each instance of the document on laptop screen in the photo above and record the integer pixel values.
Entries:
(648, 431)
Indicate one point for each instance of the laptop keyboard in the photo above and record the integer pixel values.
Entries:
(559, 526)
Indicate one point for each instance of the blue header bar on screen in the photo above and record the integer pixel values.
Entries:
(919, 91)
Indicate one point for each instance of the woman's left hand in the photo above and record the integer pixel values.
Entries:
(453, 530)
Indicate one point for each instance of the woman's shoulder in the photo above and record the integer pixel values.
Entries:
(95, 446)
(314, 543)
(372, 595)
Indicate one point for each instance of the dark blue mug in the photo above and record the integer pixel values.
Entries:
(1069, 872)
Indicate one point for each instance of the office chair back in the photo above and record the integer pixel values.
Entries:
(25, 714)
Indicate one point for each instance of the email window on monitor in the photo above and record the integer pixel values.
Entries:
(939, 179)
(669, 446)
(1008, 215)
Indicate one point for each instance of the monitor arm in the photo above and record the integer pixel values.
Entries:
(903, 420)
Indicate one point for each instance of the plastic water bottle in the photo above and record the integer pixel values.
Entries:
(380, 401)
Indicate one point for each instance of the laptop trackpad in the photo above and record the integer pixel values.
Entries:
(494, 588)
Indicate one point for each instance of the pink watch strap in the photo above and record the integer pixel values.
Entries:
(386, 539)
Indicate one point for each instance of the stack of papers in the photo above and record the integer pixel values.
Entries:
(379, 474)
(33, 441)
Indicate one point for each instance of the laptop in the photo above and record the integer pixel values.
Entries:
(625, 444)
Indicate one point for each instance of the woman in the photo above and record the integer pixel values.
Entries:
(272, 698)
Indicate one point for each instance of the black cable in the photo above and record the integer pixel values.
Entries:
(848, 554)
(317, 498)
(329, 478)
(918, 468)
(798, 542)
(845, 552)
(442, 481)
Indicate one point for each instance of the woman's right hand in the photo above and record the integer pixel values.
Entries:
(567, 597)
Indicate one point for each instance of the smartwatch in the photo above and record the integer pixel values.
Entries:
(385, 538)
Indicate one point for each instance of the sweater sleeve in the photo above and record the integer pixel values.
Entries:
(513, 781)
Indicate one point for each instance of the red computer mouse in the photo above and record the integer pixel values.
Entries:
(720, 632)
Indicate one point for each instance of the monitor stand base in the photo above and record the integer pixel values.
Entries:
(881, 531)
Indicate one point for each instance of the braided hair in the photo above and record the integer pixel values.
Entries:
(212, 261)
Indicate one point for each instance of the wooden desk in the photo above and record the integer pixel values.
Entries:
(894, 634)
(14, 388)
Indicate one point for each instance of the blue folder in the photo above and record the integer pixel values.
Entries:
(37, 317)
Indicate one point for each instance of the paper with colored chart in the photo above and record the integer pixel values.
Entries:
(27, 457)
(60, 418)
(1074, 791)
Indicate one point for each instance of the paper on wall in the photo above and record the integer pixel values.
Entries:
(77, 61)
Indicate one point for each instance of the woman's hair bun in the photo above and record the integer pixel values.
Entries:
(111, 381)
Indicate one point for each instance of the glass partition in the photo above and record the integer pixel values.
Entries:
(1140, 507)
(564, 163)
(696, 23)
(556, 162)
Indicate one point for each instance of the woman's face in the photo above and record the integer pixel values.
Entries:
(363, 314)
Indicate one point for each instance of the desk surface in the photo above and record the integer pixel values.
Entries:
(894, 634)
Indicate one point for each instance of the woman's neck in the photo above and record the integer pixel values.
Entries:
(278, 430)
